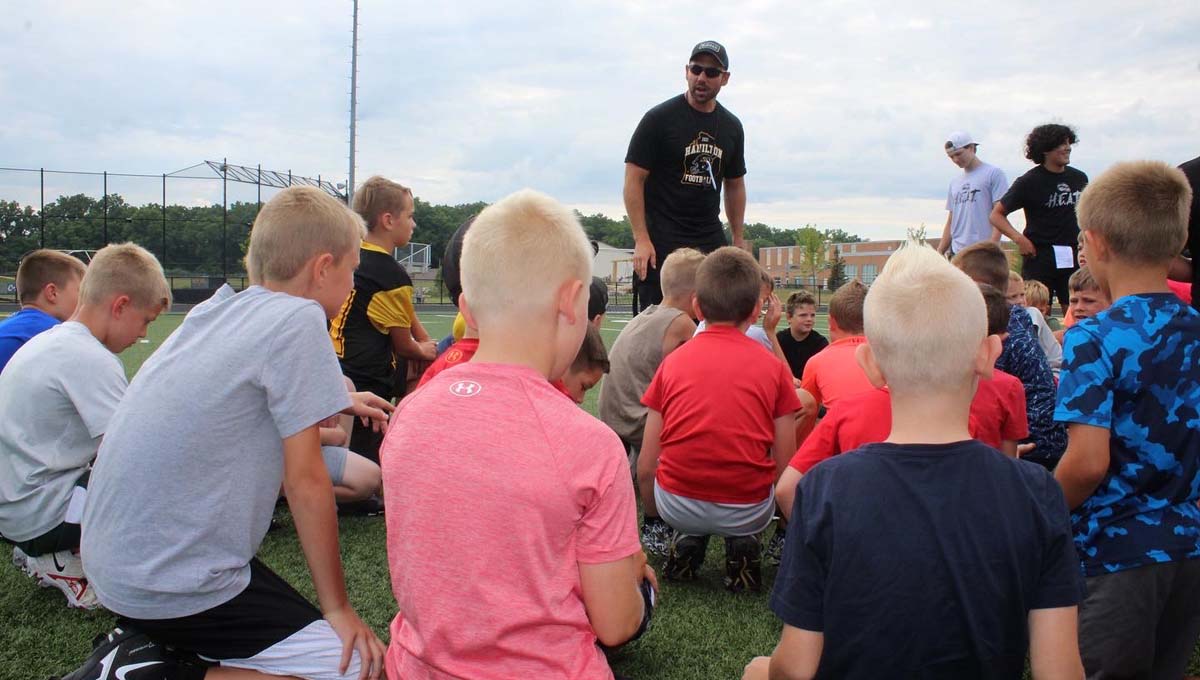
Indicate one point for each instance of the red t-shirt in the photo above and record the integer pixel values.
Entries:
(834, 373)
(858, 419)
(458, 353)
(998, 410)
(719, 395)
(997, 413)
(1181, 290)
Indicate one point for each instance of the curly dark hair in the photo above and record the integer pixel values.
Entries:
(1045, 138)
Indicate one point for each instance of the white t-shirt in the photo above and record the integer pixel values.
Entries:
(970, 200)
(753, 331)
(57, 395)
(186, 480)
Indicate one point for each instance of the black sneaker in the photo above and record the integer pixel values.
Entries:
(656, 536)
(130, 655)
(685, 557)
(368, 507)
(743, 564)
(773, 551)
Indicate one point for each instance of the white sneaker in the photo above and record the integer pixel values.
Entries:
(21, 560)
(63, 570)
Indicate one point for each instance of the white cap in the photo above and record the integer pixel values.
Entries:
(958, 140)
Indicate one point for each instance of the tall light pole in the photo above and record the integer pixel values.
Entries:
(353, 102)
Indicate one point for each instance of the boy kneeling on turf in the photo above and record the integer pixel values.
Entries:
(58, 394)
(720, 427)
(927, 555)
(513, 548)
(186, 480)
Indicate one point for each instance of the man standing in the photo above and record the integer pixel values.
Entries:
(681, 153)
(971, 196)
(1048, 194)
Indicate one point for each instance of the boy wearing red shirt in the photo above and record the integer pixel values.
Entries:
(719, 429)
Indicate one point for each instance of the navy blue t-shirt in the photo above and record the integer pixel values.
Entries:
(1134, 369)
(17, 329)
(925, 560)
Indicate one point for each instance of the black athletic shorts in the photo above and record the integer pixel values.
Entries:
(266, 613)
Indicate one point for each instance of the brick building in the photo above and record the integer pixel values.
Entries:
(863, 261)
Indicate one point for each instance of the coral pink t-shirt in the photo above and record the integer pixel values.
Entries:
(498, 486)
(719, 395)
(834, 373)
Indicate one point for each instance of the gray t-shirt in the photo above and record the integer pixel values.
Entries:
(970, 200)
(57, 395)
(185, 483)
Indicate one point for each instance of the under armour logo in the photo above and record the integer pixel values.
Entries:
(465, 388)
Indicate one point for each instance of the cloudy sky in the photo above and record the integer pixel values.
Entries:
(845, 104)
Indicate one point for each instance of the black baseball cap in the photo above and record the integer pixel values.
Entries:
(714, 48)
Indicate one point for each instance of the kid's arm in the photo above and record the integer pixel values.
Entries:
(407, 346)
(310, 497)
(418, 331)
(680, 331)
(613, 599)
(785, 442)
(785, 490)
(1054, 644)
(796, 657)
(1085, 462)
(770, 322)
(1009, 448)
(648, 460)
(369, 406)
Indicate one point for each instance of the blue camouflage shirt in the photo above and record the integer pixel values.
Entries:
(1135, 370)
(1024, 358)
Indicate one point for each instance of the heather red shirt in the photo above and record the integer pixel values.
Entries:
(834, 373)
(458, 353)
(998, 410)
(719, 395)
(997, 413)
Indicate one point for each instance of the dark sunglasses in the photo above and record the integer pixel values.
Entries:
(710, 71)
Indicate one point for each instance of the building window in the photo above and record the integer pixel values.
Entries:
(851, 271)
(868, 273)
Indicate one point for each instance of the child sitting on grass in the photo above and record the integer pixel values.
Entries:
(997, 416)
(221, 416)
(1087, 299)
(635, 356)
(513, 548)
(799, 341)
(48, 289)
(719, 429)
(58, 394)
(927, 555)
(1128, 394)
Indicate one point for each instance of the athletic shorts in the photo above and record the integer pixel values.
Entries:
(268, 627)
(700, 518)
(1042, 267)
(335, 462)
(65, 536)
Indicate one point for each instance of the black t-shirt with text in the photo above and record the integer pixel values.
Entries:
(1192, 170)
(798, 352)
(689, 154)
(925, 560)
(1049, 200)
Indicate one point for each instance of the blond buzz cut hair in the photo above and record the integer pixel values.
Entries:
(678, 274)
(1141, 210)
(379, 195)
(125, 269)
(296, 225)
(519, 252)
(925, 321)
(44, 267)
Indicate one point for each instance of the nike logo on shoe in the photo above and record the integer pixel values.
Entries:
(123, 670)
(54, 556)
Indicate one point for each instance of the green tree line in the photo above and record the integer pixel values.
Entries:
(202, 240)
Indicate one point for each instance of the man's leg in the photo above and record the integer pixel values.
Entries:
(649, 290)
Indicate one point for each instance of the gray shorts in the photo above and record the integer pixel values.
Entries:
(700, 518)
(335, 462)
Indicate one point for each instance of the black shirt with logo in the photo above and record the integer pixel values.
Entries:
(1049, 200)
(689, 154)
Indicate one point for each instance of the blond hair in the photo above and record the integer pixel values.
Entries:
(925, 320)
(1140, 208)
(296, 225)
(1037, 294)
(44, 267)
(728, 285)
(1014, 277)
(846, 306)
(518, 253)
(125, 269)
(678, 274)
(379, 195)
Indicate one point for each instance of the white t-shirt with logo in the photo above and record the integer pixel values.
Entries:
(57, 395)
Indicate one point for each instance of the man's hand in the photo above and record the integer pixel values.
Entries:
(740, 242)
(357, 636)
(644, 257)
(372, 408)
(1025, 245)
(774, 313)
